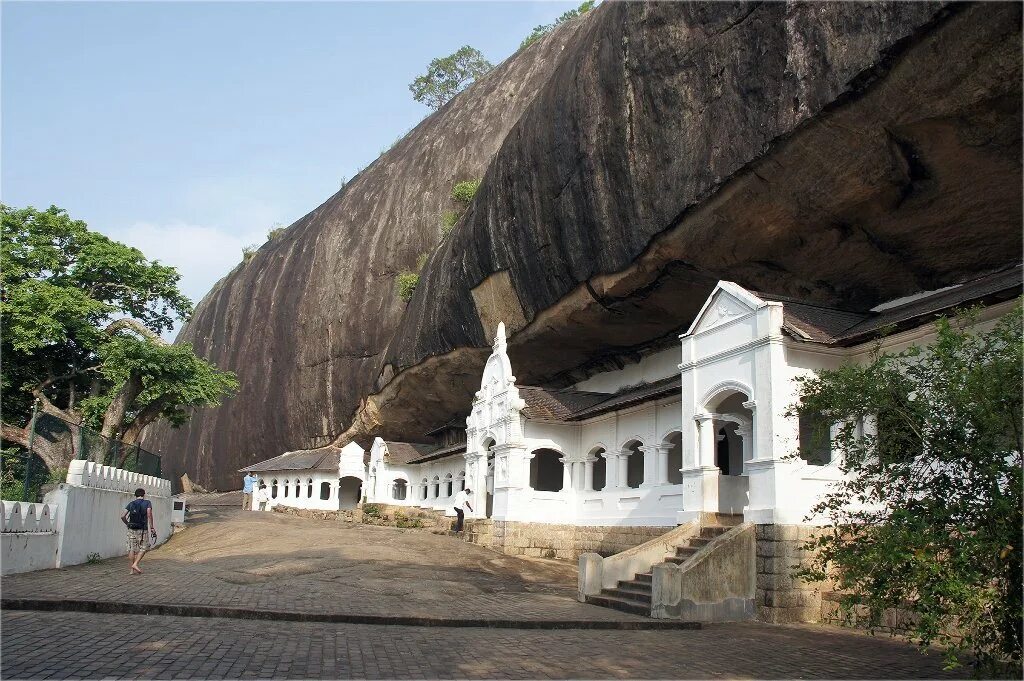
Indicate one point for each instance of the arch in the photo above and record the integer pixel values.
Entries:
(460, 480)
(599, 476)
(448, 485)
(309, 488)
(436, 484)
(287, 484)
(634, 462)
(673, 444)
(488, 437)
(714, 395)
(349, 490)
(425, 487)
(325, 490)
(546, 468)
(273, 488)
(399, 489)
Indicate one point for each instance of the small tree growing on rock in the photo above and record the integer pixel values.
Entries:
(930, 518)
(448, 76)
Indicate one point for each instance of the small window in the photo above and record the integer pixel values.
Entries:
(325, 490)
(309, 488)
(398, 490)
(179, 505)
(273, 489)
(448, 485)
(437, 487)
(286, 489)
(424, 485)
(815, 439)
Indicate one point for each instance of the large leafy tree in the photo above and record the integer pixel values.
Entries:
(82, 317)
(448, 76)
(929, 520)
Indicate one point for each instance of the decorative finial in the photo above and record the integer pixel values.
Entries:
(499, 338)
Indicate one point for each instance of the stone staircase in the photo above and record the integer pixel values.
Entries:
(634, 595)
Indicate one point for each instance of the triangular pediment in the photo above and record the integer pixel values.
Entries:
(727, 302)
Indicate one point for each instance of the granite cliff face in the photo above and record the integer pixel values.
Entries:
(847, 153)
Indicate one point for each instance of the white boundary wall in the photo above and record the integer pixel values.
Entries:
(79, 518)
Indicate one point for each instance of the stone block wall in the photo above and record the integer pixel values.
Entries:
(780, 596)
(566, 542)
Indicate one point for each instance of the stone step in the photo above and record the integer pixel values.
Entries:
(685, 551)
(698, 542)
(626, 594)
(712, 531)
(645, 577)
(726, 519)
(636, 585)
(676, 559)
(621, 604)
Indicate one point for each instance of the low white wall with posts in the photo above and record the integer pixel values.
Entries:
(80, 518)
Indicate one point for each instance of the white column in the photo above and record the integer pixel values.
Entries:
(661, 464)
(650, 453)
(746, 435)
(706, 440)
(611, 470)
(588, 474)
(623, 476)
(566, 475)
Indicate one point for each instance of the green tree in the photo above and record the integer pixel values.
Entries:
(929, 518)
(82, 318)
(448, 76)
(542, 30)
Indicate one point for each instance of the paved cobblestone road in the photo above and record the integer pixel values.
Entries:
(268, 561)
(78, 645)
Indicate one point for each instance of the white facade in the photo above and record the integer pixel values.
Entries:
(697, 428)
(321, 489)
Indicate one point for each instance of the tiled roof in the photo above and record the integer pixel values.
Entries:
(440, 454)
(556, 405)
(627, 398)
(816, 323)
(323, 458)
(404, 452)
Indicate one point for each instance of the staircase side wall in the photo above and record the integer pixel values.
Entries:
(716, 585)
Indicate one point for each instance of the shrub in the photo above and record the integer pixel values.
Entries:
(275, 231)
(372, 510)
(403, 521)
(448, 221)
(248, 252)
(92, 558)
(542, 30)
(407, 282)
(463, 192)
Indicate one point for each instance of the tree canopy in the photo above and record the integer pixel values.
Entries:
(448, 76)
(82, 318)
(928, 520)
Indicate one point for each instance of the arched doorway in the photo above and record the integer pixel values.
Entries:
(349, 492)
(546, 471)
(730, 431)
(674, 458)
(399, 489)
(600, 475)
(488, 446)
(634, 463)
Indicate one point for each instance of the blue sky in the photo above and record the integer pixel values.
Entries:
(188, 129)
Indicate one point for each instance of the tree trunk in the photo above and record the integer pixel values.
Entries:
(52, 453)
(113, 419)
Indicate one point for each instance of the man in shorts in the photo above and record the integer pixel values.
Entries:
(138, 514)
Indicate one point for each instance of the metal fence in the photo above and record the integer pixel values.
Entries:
(65, 442)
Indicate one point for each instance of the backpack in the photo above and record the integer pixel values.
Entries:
(137, 515)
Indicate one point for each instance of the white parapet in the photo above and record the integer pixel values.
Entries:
(20, 516)
(90, 474)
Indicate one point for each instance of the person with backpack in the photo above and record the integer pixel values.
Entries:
(137, 515)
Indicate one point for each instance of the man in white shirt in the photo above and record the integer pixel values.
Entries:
(461, 499)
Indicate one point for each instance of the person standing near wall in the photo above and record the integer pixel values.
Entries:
(461, 499)
(248, 484)
(262, 498)
(137, 515)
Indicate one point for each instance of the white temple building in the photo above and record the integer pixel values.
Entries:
(698, 427)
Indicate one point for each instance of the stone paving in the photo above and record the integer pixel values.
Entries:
(269, 561)
(273, 562)
(78, 645)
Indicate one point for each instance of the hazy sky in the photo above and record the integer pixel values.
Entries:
(188, 129)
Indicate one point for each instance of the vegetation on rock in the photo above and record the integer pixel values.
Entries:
(542, 30)
(83, 316)
(275, 231)
(406, 282)
(929, 519)
(448, 221)
(463, 192)
(448, 76)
